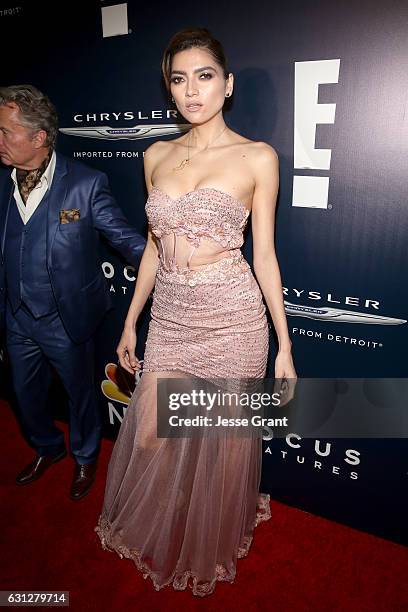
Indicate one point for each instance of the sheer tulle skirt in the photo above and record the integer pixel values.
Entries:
(184, 509)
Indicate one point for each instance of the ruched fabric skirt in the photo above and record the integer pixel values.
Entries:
(184, 509)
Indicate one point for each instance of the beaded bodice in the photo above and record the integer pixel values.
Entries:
(206, 222)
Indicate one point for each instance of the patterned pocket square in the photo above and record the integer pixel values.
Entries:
(69, 215)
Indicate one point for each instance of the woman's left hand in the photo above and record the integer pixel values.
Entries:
(284, 367)
(285, 376)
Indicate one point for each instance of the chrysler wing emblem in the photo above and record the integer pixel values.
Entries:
(127, 133)
(339, 315)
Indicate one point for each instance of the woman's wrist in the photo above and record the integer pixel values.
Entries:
(130, 324)
(285, 347)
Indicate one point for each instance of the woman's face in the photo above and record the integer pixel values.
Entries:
(198, 85)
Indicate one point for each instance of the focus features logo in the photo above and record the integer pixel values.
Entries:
(128, 274)
(320, 459)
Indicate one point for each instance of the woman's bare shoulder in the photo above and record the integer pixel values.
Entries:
(255, 150)
(261, 151)
(263, 161)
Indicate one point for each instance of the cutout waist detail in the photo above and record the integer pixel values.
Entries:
(226, 269)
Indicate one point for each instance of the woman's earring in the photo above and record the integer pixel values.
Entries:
(227, 95)
(173, 100)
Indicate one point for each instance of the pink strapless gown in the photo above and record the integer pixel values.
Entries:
(184, 509)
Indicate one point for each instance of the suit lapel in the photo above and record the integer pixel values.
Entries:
(57, 195)
(6, 199)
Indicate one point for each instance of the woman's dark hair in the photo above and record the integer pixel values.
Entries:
(188, 39)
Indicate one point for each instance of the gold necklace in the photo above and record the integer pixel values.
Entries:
(186, 160)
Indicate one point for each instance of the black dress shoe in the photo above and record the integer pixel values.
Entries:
(84, 477)
(35, 469)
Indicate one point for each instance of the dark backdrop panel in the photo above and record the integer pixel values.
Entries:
(350, 255)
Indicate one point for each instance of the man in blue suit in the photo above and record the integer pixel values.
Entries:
(53, 294)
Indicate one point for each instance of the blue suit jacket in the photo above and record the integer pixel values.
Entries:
(73, 261)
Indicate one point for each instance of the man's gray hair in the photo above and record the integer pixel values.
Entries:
(36, 110)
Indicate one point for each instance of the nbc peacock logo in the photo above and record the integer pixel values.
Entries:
(119, 385)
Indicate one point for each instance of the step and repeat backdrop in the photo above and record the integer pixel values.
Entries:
(325, 83)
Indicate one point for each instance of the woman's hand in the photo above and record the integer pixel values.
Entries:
(285, 369)
(126, 350)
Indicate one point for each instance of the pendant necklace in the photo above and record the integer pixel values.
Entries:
(186, 160)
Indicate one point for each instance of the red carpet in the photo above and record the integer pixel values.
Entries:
(298, 562)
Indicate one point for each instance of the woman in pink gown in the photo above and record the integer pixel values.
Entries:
(184, 509)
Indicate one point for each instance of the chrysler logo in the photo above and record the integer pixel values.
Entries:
(127, 133)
